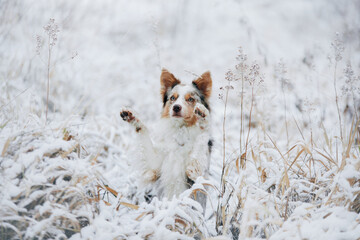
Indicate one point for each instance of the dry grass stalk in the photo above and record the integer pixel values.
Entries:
(350, 142)
(6, 146)
(220, 208)
(51, 30)
(338, 48)
(242, 66)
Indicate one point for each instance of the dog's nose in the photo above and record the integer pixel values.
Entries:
(177, 108)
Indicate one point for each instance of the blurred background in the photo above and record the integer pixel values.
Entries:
(110, 53)
(99, 56)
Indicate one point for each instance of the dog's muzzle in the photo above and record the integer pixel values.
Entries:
(177, 108)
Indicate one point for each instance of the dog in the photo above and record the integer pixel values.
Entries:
(178, 152)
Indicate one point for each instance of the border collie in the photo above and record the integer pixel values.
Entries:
(178, 151)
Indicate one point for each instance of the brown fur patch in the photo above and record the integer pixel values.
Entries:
(188, 96)
(152, 175)
(204, 84)
(190, 121)
(176, 95)
(166, 111)
(167, 80)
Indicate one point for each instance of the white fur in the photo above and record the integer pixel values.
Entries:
(182, 149)
(174, 151)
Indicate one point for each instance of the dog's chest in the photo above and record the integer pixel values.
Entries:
(178, 140)
(176, 149)
(183, 139)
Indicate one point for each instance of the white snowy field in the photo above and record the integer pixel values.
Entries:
(286, 156)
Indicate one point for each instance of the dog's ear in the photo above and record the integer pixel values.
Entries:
(204, 84)
(167, 80)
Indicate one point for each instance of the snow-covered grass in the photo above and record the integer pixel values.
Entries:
(285, 117)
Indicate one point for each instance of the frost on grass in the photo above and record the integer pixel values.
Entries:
(45, 182)
(54, 188)
(268, 181)
(284, 172)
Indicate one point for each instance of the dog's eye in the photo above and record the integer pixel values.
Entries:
(172, 98)
(190, 99)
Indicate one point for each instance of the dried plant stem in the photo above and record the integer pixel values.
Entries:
(48, 81)
(354, 102)
(224, 125)
(222, 180)
(251, 108)
(241, 108)
(51, 30)
(286, 207)
(337, 102)
(286, 124)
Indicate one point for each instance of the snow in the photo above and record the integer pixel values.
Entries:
(323, 223)
(300, 178)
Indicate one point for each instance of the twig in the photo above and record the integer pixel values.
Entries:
(337, 102)
(241, 107)
(222, 180)
(48, 81)
(286, 123)
(51, 30)
(251, 108)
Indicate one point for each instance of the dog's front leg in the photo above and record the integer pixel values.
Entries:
(147, 153)
(199, 158)
(198, 164)
(199, 161)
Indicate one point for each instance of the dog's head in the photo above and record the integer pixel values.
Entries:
(180, 99)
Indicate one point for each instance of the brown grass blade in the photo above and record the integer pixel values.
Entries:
(6, 146)
(263, 175)
(350, 143)
(113, 192)
(328, 158)
(292, 148)
(181, 222)
(129, 205)
(286, 179)
(323, 164)
(140, 216)
(277, 149)
(198, 190)
(237, 163)
(297, 156)
(243, 160)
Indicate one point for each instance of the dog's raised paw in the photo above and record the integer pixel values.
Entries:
(127, 115)
(202, 114)
(201, 111)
